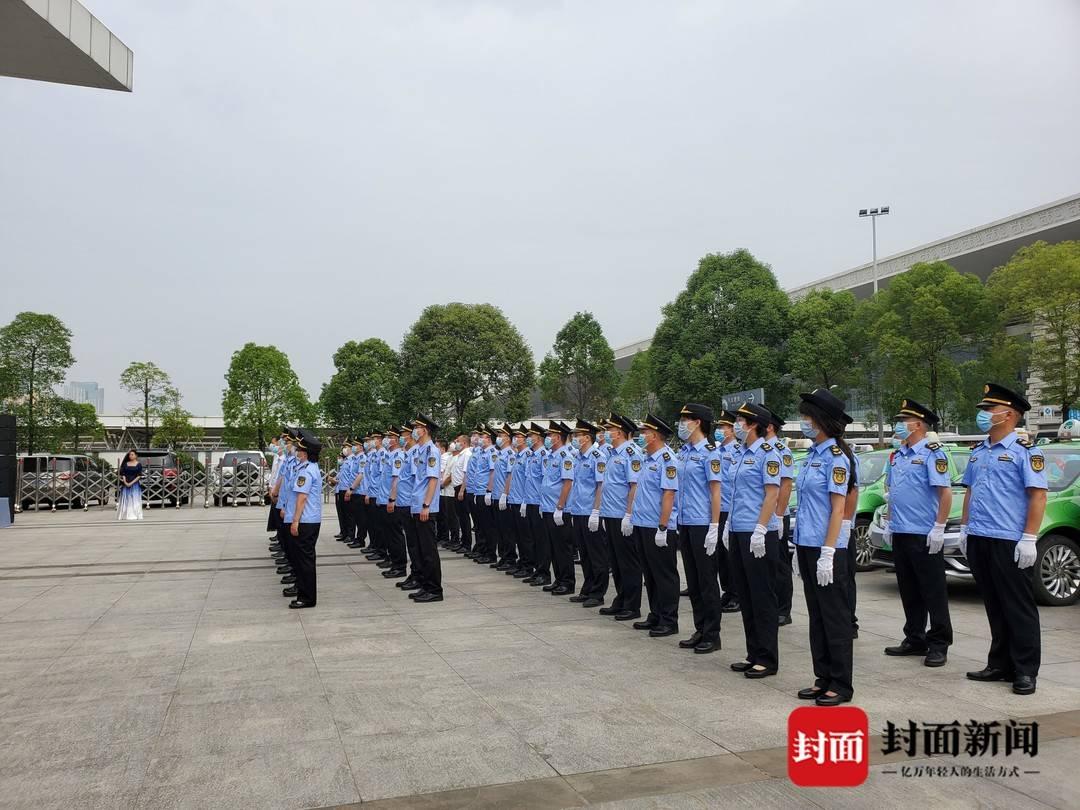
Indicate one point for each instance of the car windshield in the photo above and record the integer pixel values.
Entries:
(232, 459)
(62, 464)
(1062, 466)
(154, 461)
(872, 466)
(960, 459)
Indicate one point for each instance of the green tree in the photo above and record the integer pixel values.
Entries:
(822, 338)
(1041, 285)
(71, 421)
(456, 354)
(635, 397)
(175, 428)
(35, 353)
(579, 371)
(365, 388)
(262, 393)
(723, 333)
(154, 390)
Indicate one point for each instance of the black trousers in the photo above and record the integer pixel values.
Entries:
(273, 520)
(463, 518)
(339, 507)
(449, 530)
(852, 594)
(429, 568)
(507, 529)
(304, 566)
(661, 573)
(394, 537)
(374, 521)
(287, 542)
(562, 551)
(595, 560)
(579, 528)
(723, 567)
(1008, 595)
(522, 536)
(538, 528)
(359, 517)
(701, 580)
(784, 582)
(412, 540)
(625, 566)
(756, 578)
(920, 576)
(830, 621)
(483, 524)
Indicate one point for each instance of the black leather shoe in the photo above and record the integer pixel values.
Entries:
(592, 602)
(990, 674)
(525, 574)
(662, 630)
(685, 592)
(339, 537)
(489, 560)
(284, 569)
(627, 615)
(705, 647)
(754, 674)
(741, 666)
(1024, 685)
(690, 643)
(414, 587)
(393, 573)
(417, 593)
(783, 620)
(538, 581)
(288, 579)
(645, 625)
(550, 587)
(834, 700)
(905, 649)
(935, 658)
(300, 604)
(609, 611)
(429, 597)
(289, 591)
(730, 607)
(562, 590)
(354, 545)
(383, 564)
(854, 632)
(406, 582)
(579, 598)
(810, 693)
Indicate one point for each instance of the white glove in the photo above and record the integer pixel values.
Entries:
(757, 541)
(487, 499)
(727, 532)
(502, 502)
(712, 537)
(935, 541)
(1026, 551)
(886, 532)
(824, 566)
(626, 527)
(594, 520)
(661, 538)
(557, 517)
(524, 508)
(963, 539)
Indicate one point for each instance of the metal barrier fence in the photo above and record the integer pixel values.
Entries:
(67, 485)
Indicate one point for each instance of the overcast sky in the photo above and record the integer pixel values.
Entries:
(548, 157)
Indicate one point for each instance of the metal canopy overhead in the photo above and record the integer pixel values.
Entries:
(60, 41)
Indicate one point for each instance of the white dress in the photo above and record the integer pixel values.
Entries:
(129, 504)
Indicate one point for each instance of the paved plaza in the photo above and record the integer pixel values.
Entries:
(155, 665)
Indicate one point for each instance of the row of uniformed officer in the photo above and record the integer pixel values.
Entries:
(297, 496)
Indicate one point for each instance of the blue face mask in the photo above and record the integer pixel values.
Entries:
(896, 442)
(985, 421)
(684, 431)
(901, 430)
(808, 429)
(401, 441)
(607, 437)
(415, 435)
(547, 442)
(741, 431)
(386, 443)
(575, 443)
(640, 441)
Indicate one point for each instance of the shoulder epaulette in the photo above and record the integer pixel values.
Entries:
(596, 453)
(933, 445)
(667, 456)
(766, 446)
(836, 451)
(1028, 443)
(710, 446)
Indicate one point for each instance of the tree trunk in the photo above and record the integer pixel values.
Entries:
(30, 406)
(146, 414)
(933, 387)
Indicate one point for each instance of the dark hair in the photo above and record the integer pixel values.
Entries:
(127, 455)
(834, 429)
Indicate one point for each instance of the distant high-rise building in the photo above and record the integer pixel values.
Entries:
(89, 392)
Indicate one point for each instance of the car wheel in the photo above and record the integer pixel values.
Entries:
(864, 552)
(1057, 571)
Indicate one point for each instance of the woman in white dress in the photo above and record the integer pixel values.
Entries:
(129, 504)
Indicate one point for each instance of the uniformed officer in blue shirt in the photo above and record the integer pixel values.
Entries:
(340, 479)
(724, 438)
(371, 485)
(699, 502)
(554, 496)
(399, 506)
(479, 474)
(424, 506)
(826, 478)
(514, 491)
(781, 522)
(586, 494)
(281, 494)
(753, 545)
(1003, 510)
(273, 523)
(919, 497)
(506, 547)
(621, 470)
(535, 466)
(392, 460)
(303, 515)
(356, 504)
(653, 515)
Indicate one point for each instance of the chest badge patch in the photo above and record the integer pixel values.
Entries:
(431, 461)
(839, 475)
(772, 467)
(714, 465)
(301, 481)
(600, 466)
(1038, 463)
(635, 465)
(568, 464)
(941, 465)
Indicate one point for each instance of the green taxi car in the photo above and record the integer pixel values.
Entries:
(1057, 568)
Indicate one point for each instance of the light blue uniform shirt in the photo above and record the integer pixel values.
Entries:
(343, 474)
(825, 472)
(558, 467)
(518, 477)
(758, 467)
(406, 479)
(913, 477)
(393, 461)
(659, 472)
(699, 464)
(588, 474)
(427, 464)
(285, 492)
(534, 475)
(502, 469)
(787, 470)
(621, 469)
(999, 476)
(308, 481)
(360, 468)
(728, 453)
(480, 463)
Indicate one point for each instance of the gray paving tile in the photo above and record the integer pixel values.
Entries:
(407, 706)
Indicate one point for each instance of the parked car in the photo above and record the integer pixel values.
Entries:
(73, 481)
(163, 482)
(241, 475)
(1057, 568)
